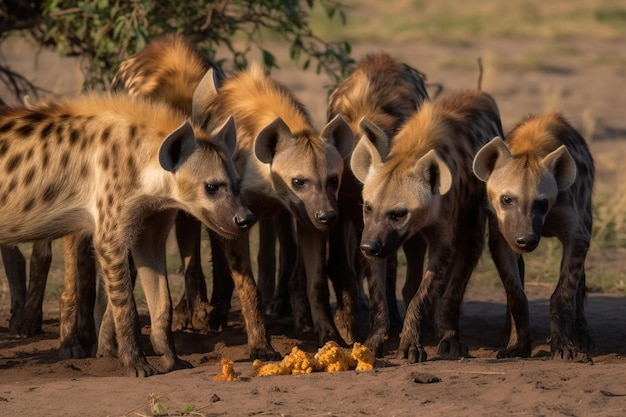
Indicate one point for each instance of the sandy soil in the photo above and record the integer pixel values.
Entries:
(34, 382)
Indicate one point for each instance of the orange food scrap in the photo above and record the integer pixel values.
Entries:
(228, 372)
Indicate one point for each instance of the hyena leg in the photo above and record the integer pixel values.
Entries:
(565, 313)
(112, 255)
(395, 318)
(238, 255)
(149, 255)
(223, 285)
(376, 270)
(28, 322)
(312, 245)
(415, 253)
(342, 273)
(469, 248)
(423, 304)
(15, 269)
(508, 265)
(77, 329)
(266, 259)
(193, 310)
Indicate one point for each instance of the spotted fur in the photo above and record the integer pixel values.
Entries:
(539, 183)
(425, 185)
(117, 168)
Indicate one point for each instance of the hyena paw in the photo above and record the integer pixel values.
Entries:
(141, 369)
(202, 316)
(412, 352)
(565, 350)
(71, 348)
(452, 349)
(264, 353)
(174, 364)
(27, 324)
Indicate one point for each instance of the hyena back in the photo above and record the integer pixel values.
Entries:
(425, 185)
(380, 93)
(285, 164)
(118, 169)
(539, 183)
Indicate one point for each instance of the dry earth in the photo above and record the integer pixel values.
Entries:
(586, 83)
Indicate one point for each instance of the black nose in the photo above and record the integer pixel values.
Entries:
(527, 242)
(245, 222)
(371, 248)
(326, 217)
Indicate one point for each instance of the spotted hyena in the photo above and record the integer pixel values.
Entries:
(425, 185)
(117, 168)
(285, 165)
(169, 69)
(379, 94)
(539, 183)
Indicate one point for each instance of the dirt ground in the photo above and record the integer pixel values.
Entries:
(587, 85)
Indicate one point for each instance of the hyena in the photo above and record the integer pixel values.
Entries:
(285, 164)
(539, 183)
(118, 168)
(169, 69)
(383, 94)
(425, 185)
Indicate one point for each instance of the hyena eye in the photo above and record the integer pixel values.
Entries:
(542, 205)
(333, 182)
(211, 189)
(367, 208)
(506, 200)
(398, 214)
(297, 182)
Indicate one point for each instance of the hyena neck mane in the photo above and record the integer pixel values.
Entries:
(256, 100)
(536, 135)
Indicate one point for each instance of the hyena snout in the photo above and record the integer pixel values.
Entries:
(526, 242)
(244, 220)
(371, 248)
(327, 217)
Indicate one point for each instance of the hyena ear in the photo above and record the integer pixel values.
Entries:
(339, 133)
(375, 135)
(486, 158)
(365, 158)
(28, 102)
(227, 136)
(268, 139)
(433, 170)
(177, 147)
(203, 95)
(561, 164)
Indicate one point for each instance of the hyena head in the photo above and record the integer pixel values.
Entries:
(522, 188)
(401, 193)
(206, 182)
(306, 167)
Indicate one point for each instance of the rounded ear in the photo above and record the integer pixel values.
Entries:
(365, 158)
(177, 147)
(28, 102)
(561, 164)
(432, 169)
(375, 135)
(227, 136)
(204, 93)
(486, 158)
(268, 139)
(339, 133)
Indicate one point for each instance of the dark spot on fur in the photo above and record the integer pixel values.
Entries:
(106, 134)
(25, 130)
(105, 162)
(28, 178)
(45, 160)
(65, 159)
(7, 126)
(35, 117)
(4, 147)
(60, 134)
(13, 163)
(50, 193)
(29, 205)
(132, 131)
(74, 136)
(84, 170)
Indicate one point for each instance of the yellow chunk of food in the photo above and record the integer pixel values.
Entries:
(364, 356)
(228, 372)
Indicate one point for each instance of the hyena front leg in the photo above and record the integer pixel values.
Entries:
(376, 274)
(312, 245)
(422, 307)
(149, 256)
(77, 329)
(112, 255)
(566, 315)
(510, 269)
(238, 255)
(193, 310)
(15, 269)
(28, 321)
